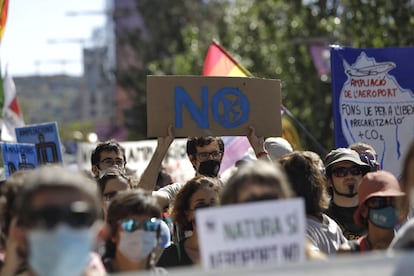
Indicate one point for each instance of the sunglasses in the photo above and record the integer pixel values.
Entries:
(131, 225)
(344, 171)
(79, 214)
(380, 202)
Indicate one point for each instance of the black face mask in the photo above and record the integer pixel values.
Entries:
(209, 168)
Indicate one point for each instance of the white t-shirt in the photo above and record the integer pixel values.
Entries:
(327, 236)
(171, 190)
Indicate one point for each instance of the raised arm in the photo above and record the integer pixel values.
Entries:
(257, 144)
(148, 178)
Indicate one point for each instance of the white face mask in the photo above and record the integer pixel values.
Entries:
(101, 173)
(62, 250)
(137, 246)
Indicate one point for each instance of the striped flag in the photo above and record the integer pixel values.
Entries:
(11, 114)
(219, 62)
(4, 7)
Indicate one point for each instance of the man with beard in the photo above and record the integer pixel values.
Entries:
(344, 171)
(205, 154)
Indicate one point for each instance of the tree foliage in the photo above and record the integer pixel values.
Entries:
(271, 38)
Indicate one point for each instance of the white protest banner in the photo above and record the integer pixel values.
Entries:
(139, 153)
(252, 233)
(373, 100)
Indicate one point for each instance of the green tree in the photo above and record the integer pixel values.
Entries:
(271, 38)
(174, 41)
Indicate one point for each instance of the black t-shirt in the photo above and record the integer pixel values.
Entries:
(174, 255)
(344, 217)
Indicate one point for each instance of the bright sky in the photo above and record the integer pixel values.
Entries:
(31, 24)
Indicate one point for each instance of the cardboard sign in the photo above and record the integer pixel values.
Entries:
(18, 157)
(139, 153)
(249, 234)
(216, 106)
(45, 137)
(373, 100)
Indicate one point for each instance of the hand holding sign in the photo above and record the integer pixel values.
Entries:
(213, 106)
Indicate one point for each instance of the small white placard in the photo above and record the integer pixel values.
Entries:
(251, 234)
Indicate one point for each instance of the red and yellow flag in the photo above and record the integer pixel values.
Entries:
(4, 7)
(219, 62)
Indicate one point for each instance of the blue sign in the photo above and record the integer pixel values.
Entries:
(373, 100)
(229, 106)
(45, 137)
(18, 157)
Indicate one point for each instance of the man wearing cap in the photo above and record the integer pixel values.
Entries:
(344, 171)
(377, 211)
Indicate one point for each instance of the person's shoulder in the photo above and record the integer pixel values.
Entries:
(405, 236)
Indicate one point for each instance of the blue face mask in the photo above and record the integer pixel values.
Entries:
(385, 217)
(62, 250)
(137, 245)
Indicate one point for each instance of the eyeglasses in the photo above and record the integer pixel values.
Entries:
(130, 225)
(77, 215)
(343, 171)
(380, 202)
(109, 162)
(203, 156)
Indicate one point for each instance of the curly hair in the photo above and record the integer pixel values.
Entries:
(182, 199)
(304, 170)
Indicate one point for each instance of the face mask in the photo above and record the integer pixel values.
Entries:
(137, 246)
(102, 173)
(62, 250)
(385, 218)
(209, 168)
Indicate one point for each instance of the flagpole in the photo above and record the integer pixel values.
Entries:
(319, 147)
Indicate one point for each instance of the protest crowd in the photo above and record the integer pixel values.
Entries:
(59, 222)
